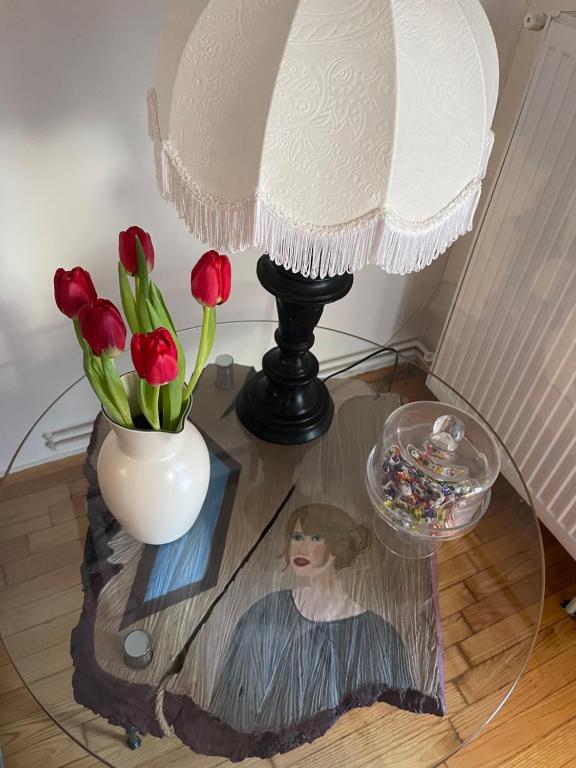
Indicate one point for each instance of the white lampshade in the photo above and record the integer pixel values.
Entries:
(331, 133)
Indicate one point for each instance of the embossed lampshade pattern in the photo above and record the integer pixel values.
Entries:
(331, 133)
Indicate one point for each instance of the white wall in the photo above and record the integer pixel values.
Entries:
(76, 167)
(506, 18)
(517, 49)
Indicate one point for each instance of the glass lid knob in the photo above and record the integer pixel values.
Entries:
(447, 432)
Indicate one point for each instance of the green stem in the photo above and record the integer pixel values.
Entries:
(78, 332)
(166, 407)
(154, 408)
(204, 348)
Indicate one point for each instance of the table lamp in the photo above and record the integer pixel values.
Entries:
(332, 134)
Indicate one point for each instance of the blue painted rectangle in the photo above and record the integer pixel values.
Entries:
(185, 561)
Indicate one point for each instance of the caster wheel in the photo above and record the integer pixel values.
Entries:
(134, 742)
(133, 739)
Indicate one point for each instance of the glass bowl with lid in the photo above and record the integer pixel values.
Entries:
(429, 477)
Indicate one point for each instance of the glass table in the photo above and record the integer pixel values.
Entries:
(467, 617)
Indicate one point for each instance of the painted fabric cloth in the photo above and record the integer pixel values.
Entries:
(275, 649)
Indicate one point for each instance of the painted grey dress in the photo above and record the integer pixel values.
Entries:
(281, 668)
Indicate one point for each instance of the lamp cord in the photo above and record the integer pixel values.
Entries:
(386, 347)
(379, 351)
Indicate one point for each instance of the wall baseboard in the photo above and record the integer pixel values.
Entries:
(413, 349)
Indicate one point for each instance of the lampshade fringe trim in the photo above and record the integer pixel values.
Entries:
(380, 237)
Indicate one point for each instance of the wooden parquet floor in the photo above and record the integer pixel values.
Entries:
(40, 548)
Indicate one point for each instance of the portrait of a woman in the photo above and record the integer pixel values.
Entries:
(298, 652)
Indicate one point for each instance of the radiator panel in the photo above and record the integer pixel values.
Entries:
(510, 344)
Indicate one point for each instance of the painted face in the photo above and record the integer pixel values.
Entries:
(308, 553)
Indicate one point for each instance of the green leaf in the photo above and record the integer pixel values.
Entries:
(116, 389)
(179, 422)
(160, 320)
(181, 361)
(128, 301)
(148, 396)
(160, 317)
(161, 312)
(171, 405)
(93, 371)
(157, 300)
(156, 318)
(142, 285)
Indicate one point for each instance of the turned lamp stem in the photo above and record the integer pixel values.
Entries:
(286, 402)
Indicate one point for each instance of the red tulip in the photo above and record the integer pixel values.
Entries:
(155, 356)
(211, 279)
(128, 250)
(72, 290)
(103, 328)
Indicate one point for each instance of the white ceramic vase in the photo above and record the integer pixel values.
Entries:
(154, 483)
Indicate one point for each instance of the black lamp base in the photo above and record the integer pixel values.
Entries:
(285, 402)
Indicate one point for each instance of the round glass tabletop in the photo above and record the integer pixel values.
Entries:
(255, 648)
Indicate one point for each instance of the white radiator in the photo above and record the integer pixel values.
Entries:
(509, 346)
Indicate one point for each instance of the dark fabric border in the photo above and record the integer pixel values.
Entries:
(117, 701)
(208, 735)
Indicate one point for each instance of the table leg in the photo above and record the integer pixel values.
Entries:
(133, 737)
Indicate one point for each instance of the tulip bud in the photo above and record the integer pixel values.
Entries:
(211, 279)
(128, 249)
(72, 290)
(155, 356)
(103, 328)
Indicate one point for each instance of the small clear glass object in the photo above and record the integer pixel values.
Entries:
(429, 478)
(224, 372)
(138, 649)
